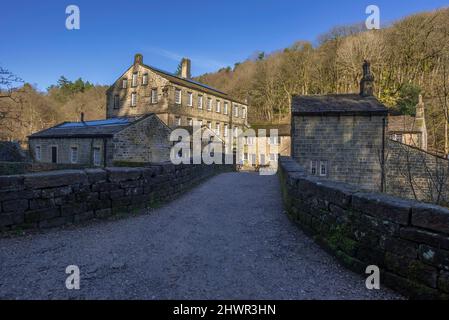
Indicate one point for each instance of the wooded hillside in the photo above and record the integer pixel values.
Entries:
(407, 58)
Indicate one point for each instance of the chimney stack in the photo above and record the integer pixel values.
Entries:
(138, 58)
(185, 68)
(367, 82)
(82, 116)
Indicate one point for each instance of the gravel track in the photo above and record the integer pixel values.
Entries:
(226, 239)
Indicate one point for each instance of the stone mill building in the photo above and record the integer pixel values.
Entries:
(143, 106)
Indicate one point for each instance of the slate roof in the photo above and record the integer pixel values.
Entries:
(404, 123)
(347, 104)
(192, 84)
(88, 129)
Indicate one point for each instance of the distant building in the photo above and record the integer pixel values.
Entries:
(101, 142)
(409, 130)
(342, 136)
(176, 100)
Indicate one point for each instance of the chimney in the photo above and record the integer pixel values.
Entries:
(138, 58)
(367, 82)
(82, 116)
(185, 68)
(420, 123)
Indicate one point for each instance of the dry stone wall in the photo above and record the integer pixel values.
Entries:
(55, 198)
(406, 239)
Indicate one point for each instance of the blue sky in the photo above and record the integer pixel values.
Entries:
(36, 45)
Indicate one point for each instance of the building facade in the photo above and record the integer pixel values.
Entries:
(409, 130)
(101, 142)
(176, 100)
(341, 137)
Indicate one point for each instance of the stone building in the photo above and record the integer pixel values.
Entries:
(176, 100)
(408, 129)
(341, 137)
(101, 142)
(258, 151)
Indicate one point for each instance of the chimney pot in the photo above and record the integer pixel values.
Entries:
(367, 82)
(138, 58)
(185, 68)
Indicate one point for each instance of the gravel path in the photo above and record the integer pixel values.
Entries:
(226, 239)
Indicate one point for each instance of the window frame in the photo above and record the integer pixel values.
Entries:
(313, 167)
(145, 79)
(218, 106)
(134, 79)
(116, 102)
(209, 104)
(134, 99)
(190, 99)
(236, 111)
(178, 101)
(125, 83)
(99, 158)
(225, 107)
(72, 153)
(200, 102)
(322, 162)
(38, 155)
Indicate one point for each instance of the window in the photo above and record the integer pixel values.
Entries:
(218, 106)
(225, 130)
(274, 140)
(200, 122)
(209, 125)
(145, 79)
(200, 102)
(97, 156)
(154, 95)
(225, 108)
(243, 112)
(235, 131)
(54, 154)
(209, 104)
(313, 168)
(38, 153)
(253, 159)
(190, 121)
(133, 99)
(134, 80)
(262, 159)
(116, 101)
(74, 154)
(125, 83)
(217, 128)
(236, 110)
(190, 99)
(250, 141)
(178, 121)
(273, 157)
(323, 168)
(245, 156)
(178, 96)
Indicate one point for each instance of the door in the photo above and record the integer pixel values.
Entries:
(54, 154)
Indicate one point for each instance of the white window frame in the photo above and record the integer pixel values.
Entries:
(178, 96)
(96, 159)
(218, 106)
(225, 107)
(313, 167)
(323, 163)
(116, 102)
(250, 141)
(145, 79)
(200, 101)
(154, 96)
(209, 104)
(190, 99)
(225, 130)
(243, 112)
(38, 152)
(134, 79)
(178, 121)
(200, 121)
(74, 154)
(236, 110)
(217, 128)
(209, 125)
(133, 99)
(124, 83)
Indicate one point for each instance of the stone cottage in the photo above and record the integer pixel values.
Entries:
(408, 129)
(101, 142)
(341, 136)
(176, 100)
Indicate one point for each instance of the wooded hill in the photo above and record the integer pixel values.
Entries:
(407, 58)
